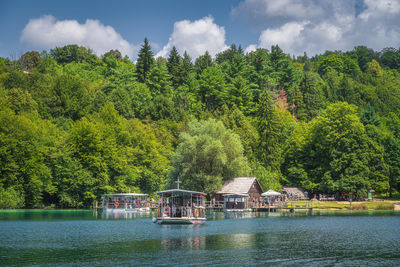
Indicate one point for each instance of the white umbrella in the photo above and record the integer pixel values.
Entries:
(270, 193)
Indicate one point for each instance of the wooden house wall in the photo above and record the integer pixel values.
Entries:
(255, 191)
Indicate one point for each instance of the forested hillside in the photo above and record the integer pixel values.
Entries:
(74, 126)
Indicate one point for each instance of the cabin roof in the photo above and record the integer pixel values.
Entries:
(239, 185)
(125, 195)
(181, 191)
(293, 191)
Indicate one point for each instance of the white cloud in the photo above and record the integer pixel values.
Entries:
(335, 25)
(286, 36)
(269, 10)
(48, 32)
(377, 8)
(196, 38)
(250, 48)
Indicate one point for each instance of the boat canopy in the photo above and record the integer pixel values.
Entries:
(125, 195)
(180, 191)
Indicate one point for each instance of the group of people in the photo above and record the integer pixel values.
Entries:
(267, 201)
(187, 210)
(126, 203)
(272, 200)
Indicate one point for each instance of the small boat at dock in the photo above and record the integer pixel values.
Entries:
(125, 203)
(177, 206)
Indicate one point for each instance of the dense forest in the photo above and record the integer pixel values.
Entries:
(74, 126)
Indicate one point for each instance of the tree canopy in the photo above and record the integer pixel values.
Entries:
(74, 126)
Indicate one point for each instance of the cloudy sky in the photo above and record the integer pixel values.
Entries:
(297, 26)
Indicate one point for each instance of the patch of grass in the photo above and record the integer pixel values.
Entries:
(330, 205)
(345, 205)
(381, 206)
(359, 207)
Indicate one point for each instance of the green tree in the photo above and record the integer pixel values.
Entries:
(70, 53)
(311, 87)
(241, 95)
(335, 155)
(23, 171)
(174, 65)
(203, 62)
(268, 127)
(390, 57)
(30, 60)
(391, 144)
(235, 120)
(114, 53)
(187, 67)
(340, 63)
(363, 55)
(145, 61)
(208, 155)
(369, 116)
(212, 89)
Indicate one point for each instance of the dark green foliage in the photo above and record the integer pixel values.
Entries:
(390, 57)
(202, 63)
(29, 60)
(391, 144)
(235, 120)
(175, 65)
(369, 116)
(145, 61)
(213, 89)
(113, 53)
(187, 67)
(208, 155)
(340, 63)
(73, 127)
(71, 53)
(363, 55)
(336, 155)
(267, 122)
(311, 88)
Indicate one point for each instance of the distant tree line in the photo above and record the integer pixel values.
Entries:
(74, 126)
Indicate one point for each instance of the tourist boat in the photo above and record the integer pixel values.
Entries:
(236, 202)
(125, 203)
(177, 206)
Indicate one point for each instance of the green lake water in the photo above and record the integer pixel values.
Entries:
(84, 238)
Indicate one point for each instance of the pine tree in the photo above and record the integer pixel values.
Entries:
(203, 62)
(145, 61)
(268, 128)
(174, 65)
(187, 66)
(313, 98)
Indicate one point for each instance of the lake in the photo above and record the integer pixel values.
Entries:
(84, 238)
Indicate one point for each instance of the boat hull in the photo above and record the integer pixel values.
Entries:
(168, 220)
(138, 210)
(237, 210)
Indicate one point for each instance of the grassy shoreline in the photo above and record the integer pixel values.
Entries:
(357, 205)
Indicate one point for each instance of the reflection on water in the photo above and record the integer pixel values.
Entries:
(84, 238)
(122, 215)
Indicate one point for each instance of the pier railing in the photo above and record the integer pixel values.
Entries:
(214, 204)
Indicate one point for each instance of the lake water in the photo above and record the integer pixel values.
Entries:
(83, 238)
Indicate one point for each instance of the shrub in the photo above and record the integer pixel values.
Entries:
(10, 199)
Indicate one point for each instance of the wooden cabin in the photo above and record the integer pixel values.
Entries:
(240, 186)
(236, 202)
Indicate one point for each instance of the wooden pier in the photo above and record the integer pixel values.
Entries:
(278, 206)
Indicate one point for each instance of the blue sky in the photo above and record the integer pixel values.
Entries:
(296, 25)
